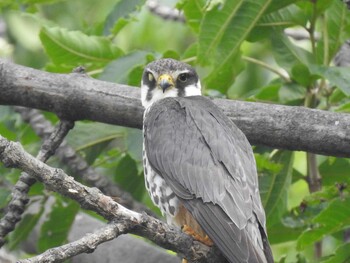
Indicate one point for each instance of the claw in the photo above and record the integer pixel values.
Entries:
(205, 240)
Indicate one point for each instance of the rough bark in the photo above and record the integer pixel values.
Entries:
(76, 97)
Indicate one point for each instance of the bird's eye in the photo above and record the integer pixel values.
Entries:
(150, 77)
(183, 77)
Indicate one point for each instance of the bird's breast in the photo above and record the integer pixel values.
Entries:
(160, 192)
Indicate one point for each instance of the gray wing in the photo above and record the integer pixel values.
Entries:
(209, 164)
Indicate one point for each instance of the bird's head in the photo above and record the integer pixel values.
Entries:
(168, 78)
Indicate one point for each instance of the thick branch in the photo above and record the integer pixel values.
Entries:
(77, 97)
(13, 155)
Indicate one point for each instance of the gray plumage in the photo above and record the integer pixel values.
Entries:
(209, 165)
(199, 167)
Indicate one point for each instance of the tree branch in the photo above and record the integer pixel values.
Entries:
(53, 138)
(165, 12)
(77, 97)
(86, 244)
(13, 155)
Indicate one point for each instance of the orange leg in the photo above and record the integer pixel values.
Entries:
(205, 240)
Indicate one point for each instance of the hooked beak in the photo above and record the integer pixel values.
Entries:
(165, 81)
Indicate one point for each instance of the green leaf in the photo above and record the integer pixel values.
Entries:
(135, 76)
(36, 189)
(333, 218)
(337, 21)
(222, 76)
(343, 108)
(265, 165)
(316, 199)
(281, 18)
(217, 43)
(316, 8)
(75, 48)
(337, 96)
(341, 254)
(215, 37)
(171, 54)
(24, 228)
(268, 93)
(54, 231)
(5, 195)
(292, 94)
(193, 11)
(335, 170)
(88, 134)
(286, 53)
(118, 70)
(279, 4)
(280, 233)
(91, 139)
(128, 177)
(337, 76)
(301, 74)
(274, 188)
(190, 52)
(121, 15)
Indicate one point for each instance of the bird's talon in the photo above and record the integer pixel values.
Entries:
(189, 231)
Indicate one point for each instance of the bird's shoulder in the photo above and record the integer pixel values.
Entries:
(201, 112)
(195, 132)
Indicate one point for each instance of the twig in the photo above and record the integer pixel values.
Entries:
(86, 244)
(165, 12)
(315, 185)
(13, 155)
(19, 199)
(267, 66)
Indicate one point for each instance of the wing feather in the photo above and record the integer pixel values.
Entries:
(209, 164)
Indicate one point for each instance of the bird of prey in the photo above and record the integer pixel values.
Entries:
(199, 167)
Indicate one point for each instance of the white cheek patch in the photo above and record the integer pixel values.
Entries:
(193, 90)
(157, 94)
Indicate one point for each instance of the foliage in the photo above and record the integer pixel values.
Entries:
(241, 50)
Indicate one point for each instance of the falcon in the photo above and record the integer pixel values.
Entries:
(199, 167)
